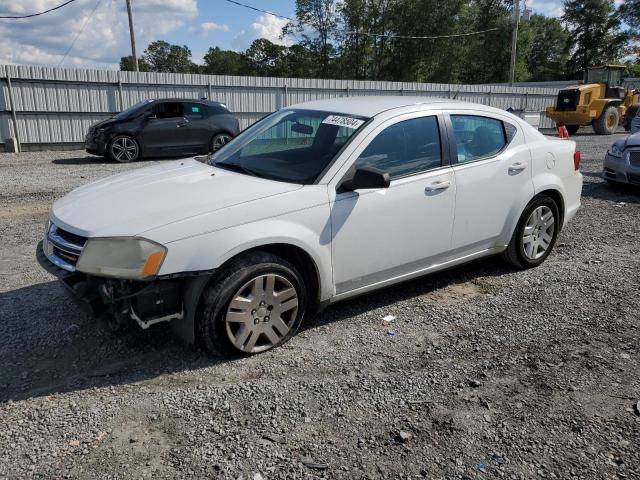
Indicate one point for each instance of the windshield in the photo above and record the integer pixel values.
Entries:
(290, 145)
(134, 110)
(612, 76)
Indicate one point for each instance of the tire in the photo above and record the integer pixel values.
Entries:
(518, 253)
(226, 325)
(123, 149)
(572, 129)
(631, 112)
(608, 121)
(218, 141)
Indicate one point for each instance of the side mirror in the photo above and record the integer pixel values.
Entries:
(367, 177)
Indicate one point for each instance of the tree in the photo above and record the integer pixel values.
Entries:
(317, 22)
(300, 62)
(543, 49)
(126, 64)
(630, 11)
(266, 59)
(225, 62)
(595, 35)
(164, 57)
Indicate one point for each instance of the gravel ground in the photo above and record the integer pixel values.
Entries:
(491, 372)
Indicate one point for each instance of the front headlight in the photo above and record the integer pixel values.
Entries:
(131, 258)
(614, 151)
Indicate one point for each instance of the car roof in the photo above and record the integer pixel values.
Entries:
(370, 106)
(190, 100)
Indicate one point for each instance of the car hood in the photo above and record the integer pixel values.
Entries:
(629, 141)
(131, 203)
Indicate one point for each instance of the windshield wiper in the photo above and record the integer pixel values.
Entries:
(238, 168)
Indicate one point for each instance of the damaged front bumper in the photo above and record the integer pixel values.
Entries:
(171, 299)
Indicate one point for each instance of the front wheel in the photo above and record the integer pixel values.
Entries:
(607, 123)
(124, 149)
(254, 304)
(535, 234)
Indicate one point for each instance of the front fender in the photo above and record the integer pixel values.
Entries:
(308, 230)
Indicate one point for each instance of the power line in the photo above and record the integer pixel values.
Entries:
(39, 13)
(260, 10)
(369, 34)
(80, 32)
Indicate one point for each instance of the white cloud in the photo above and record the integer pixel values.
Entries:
(206, 27)
(44, 40)
(265, 26)
(550, 8)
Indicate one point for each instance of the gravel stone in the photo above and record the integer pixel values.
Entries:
(557, 399)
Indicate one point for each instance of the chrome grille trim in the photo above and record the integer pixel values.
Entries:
(56, 248)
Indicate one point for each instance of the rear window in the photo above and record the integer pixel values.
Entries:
(478, 137)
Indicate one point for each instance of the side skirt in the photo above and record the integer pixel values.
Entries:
(418, 273)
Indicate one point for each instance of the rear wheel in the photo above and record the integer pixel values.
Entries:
(124, 149)
(219, 141)
(535, 234)
(572, 129)
(607, 123)
(256, 303)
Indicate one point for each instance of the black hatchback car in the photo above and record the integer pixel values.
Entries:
(163, 128)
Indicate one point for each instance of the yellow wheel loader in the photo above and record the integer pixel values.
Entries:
(601, 102)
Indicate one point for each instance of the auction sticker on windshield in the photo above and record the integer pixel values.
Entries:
(341, 121)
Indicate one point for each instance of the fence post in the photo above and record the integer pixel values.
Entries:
(347, 92)
(209, 90)
(120, 100)
(489, 98)
(284, 95)
(14, 118)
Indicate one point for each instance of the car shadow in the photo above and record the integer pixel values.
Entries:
(601, 190)
(88, 160)
(47, 347)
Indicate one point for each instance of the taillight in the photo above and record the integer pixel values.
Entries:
(576, 159)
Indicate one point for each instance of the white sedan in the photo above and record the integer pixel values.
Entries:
(313, 204)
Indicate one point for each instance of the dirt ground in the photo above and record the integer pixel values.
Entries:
(486, 372)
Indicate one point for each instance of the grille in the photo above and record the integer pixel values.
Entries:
(63, 248)
(568, 100)
(634, 159)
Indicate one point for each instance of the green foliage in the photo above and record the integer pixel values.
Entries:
(363, 39)
(126, 64)
(543, 49)
(595, 35)
(164, 57)
(225, 62)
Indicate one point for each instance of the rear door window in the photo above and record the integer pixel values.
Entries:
(168, 110)
(477, 137)
(193, 111)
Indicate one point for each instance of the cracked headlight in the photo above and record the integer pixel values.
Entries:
(615, 151)
(130, 257)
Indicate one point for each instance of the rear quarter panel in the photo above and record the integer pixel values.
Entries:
(553, 169)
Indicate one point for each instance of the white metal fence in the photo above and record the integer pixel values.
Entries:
(47, 107)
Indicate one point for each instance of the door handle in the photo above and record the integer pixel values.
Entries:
(435, 186)
(183, 123)
(517, 167)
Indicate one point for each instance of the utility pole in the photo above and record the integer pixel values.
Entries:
(134, 54)
(514, 42)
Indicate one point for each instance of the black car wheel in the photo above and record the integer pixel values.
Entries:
(219, 141)
(124, 149)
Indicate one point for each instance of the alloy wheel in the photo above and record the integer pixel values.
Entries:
(261, 313)
(124, 149)
(538, 232)
(220, 141)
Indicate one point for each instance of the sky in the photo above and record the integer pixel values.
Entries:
(100, 28)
